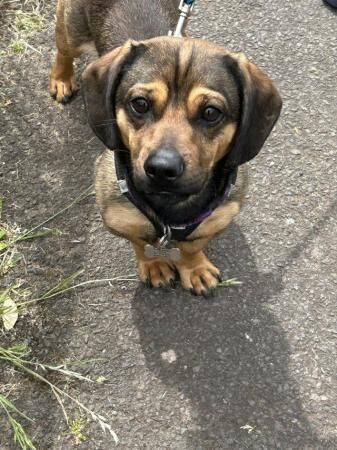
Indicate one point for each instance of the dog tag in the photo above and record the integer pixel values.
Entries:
(173, 254)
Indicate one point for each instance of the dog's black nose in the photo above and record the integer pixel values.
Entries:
(164, 165)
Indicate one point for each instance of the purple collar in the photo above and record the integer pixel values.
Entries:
(217, 202)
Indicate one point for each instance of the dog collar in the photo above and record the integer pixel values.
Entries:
(166, 232)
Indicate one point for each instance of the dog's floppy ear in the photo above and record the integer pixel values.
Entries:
(260, 108)
(99, 83)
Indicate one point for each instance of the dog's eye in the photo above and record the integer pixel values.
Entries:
(211, 114)
(140, 105)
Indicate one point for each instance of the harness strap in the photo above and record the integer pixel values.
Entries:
(177, 232)
(122, 163)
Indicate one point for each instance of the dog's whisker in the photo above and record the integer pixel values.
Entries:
(108, 121)
(121, 150)
(105, 124)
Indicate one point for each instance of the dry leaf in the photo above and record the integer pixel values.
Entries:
(10, 315)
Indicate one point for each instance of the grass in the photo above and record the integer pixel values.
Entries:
(13, 300)
(23, 22)
(18, 357)
(230, 283)
(20, 436)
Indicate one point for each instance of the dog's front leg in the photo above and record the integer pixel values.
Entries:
(154, 272)
(197, 273)
(62, 83)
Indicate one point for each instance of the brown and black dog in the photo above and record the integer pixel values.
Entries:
(186, 112)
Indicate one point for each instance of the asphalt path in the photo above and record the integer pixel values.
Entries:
(254, 368)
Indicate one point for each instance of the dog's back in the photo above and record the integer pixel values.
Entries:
(109, 23)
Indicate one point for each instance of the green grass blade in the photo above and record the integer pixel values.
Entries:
(62, 285)
(89, 191)
(20, 435)
(3, 234)
(9, 406)
(231, 282)
(38, 234)
(1, 205)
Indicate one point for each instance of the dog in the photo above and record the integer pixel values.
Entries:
(179, 117)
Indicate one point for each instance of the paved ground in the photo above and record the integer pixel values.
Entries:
(263, 354)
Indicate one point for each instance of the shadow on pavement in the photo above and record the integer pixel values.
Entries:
(232, 357)
(330, 7)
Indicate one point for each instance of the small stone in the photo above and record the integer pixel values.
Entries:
(169, 356)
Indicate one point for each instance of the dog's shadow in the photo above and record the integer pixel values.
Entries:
(229, 357)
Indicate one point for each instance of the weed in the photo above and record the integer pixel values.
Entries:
(17, 356)
(61, 287)
(101, 379)
(76, 429)
(8, 260)
(15, 236)
(17, 47)
(28, 22)
(3, 104)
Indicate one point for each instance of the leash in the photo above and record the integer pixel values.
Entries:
(185, 8)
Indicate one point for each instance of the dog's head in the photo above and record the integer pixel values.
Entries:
(179, 106)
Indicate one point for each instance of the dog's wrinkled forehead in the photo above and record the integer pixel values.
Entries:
(182, 65)
(196, 73)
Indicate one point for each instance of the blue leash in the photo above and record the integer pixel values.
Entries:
(185, 9)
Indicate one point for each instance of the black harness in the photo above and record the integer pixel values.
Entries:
(224, 181)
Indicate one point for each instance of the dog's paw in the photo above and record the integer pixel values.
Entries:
(62, 88)
(198, 275)
(157, 272)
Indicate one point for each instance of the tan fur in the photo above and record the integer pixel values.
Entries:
(157, 272)
(142, 142)
(119, 215)
(197, 273)
(62, 82)
(199, 94)
(157, 91)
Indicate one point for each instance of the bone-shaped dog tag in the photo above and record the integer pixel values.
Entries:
(173, 254)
